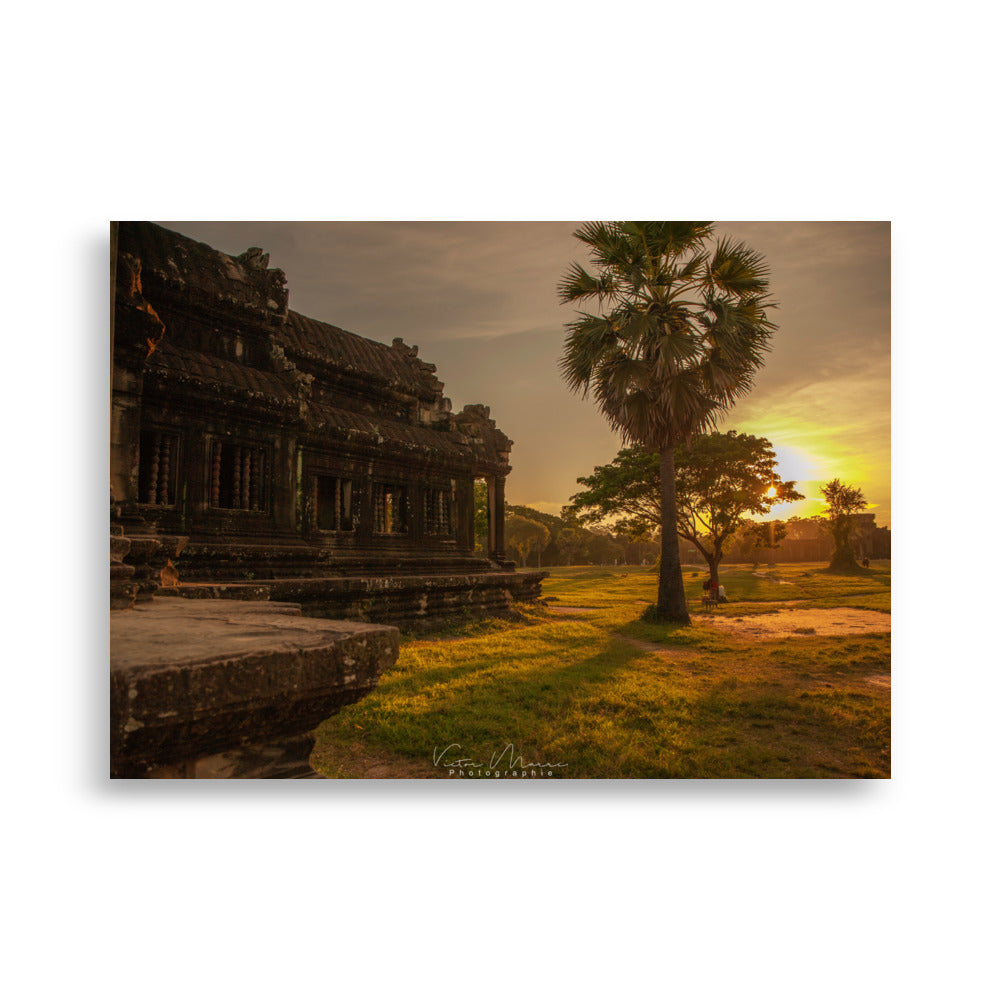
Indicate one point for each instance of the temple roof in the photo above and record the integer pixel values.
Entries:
(162, 272)
(195, 272)
(326, 344)
(206, 369)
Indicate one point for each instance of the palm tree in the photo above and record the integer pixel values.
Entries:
(680, 329)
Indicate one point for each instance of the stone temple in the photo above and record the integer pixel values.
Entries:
(263, 456)
(300, 461)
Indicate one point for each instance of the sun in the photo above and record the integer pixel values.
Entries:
(772, 491)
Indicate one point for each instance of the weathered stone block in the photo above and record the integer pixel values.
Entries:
(193, 679)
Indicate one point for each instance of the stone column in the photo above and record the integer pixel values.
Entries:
(498, 545)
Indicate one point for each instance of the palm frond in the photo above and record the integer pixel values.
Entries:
(693, 266)
(684, 403)
(739, 270)
(590, 341)
(610, 247)
(627, 375)
(675, 347)
(579, 284)
(635, 330)
(669, 239)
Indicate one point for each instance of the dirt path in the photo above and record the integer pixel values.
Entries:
(790, 622)
(765, 576)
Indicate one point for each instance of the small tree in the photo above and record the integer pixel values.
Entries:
(526, 537)
(759, 535)
(572, 542)
(720, 480)
(603, 548)
(842, 501)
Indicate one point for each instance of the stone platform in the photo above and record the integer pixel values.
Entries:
(223, 688)
(414, 601)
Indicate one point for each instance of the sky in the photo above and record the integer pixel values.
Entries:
(479, 300)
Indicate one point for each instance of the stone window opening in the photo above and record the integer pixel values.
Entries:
(157, 468)
(391, 516)
(438, 511)
(237, 477)
(333, 503)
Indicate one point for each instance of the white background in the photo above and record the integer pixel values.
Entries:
(526, 111)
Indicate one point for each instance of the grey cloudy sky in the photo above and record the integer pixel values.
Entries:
(479, 298)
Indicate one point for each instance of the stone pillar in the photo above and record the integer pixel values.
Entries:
(498, 545)
(491, 517)
(465, 514)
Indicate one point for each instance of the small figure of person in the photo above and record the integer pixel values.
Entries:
(721, 593)
(864, 562)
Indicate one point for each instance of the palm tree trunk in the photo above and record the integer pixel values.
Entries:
(670, 600)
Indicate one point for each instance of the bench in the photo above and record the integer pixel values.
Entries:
(709, 600)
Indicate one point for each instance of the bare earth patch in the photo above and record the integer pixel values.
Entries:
(358, 761)
(788, 623)
(563, 610)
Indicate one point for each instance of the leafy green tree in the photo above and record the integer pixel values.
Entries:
(842, 501)
(721, 479)
(551, 521)
(626, 493)
(806, 528)
(572, 542)
(759, 535)
(679, 331)
(603, 549)
(549, 556)
(526, 537)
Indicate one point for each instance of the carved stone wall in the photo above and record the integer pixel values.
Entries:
(279, 446)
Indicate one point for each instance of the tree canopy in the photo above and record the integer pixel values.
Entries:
(625, 493)
(525, 536)
(721, 479)
(679, 330)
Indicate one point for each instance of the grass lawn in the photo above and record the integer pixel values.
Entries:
(585, 683)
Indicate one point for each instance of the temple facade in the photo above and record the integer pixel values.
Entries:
(269, 455)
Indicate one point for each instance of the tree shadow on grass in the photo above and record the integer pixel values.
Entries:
(489, 658)
(879, 576)
(534, 680)
(756, 730)
(518, 706)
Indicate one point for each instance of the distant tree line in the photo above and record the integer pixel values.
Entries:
(810, 539)
(535, 538)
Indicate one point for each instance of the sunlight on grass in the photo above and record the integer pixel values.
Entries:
(612, 696)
